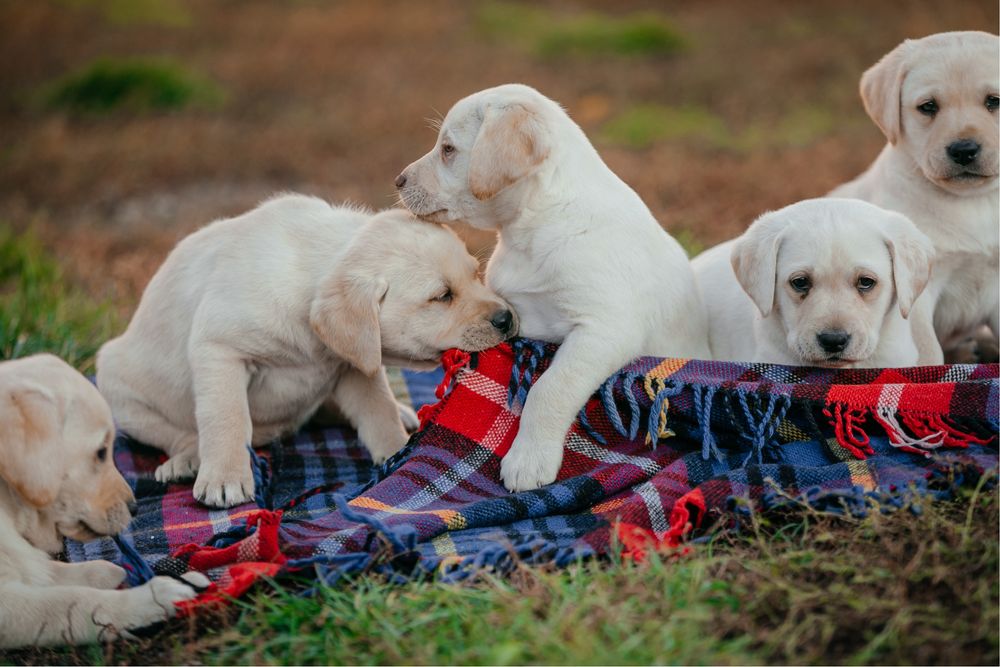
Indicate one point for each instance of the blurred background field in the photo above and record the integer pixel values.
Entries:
(125, 124)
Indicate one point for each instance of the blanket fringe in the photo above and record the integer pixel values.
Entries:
(909, 431)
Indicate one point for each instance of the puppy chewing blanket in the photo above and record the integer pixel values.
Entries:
(663, 449)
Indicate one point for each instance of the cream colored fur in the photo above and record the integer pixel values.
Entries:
(578, 255)
(955, 205)
(252, 323)
(58, 479)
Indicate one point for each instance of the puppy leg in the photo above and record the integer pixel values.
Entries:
(585, 359)
(369, 405)
(411, 422)
(148, 426)
(43, 616)
(929, 351)
(225, 430)
(95, 574)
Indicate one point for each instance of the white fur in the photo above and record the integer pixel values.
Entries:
(58, 479)
(913, 174)
(754, 314)
(579, 255)
(253, 322)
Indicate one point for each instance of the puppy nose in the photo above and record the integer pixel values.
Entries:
(133, 507)
(833, 341)
(963, 151)
(502, 320)
(401, 180)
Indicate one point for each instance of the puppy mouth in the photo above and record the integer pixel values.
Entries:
(82, 531)
(440, 215)
(835, 361)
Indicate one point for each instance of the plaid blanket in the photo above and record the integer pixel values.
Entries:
(661, 450)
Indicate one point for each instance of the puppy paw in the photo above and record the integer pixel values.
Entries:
(225, 486)
(409, 418)
(530, 465)
(383, 444)
(154, 601)
(104, 574)
(197, 579)
(182, 466)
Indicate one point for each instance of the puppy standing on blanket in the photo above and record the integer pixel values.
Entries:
(58, 479)
(253, 323)
(936, 100)
(578, 255)
(824, 282)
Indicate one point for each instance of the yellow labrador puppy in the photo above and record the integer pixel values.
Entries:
(936, 100)
(578, 255)
(253, 322)
(823, 282)
(57, 479)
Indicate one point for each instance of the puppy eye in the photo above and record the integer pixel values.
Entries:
(866, 284)
(447, 149)
(928, 108)
(102, 454)
(446, 297)
(992, 102)
(801, 284)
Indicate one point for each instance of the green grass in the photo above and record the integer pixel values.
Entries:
(643, 125)
(900, 588)
(136, 85)
(551, 34)
(41, 312)
(802, 588)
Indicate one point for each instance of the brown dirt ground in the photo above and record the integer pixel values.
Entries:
(333, 98)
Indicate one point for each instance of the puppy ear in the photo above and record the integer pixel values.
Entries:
(511, 142)
(912, 254)
(881, 87)
(755, 259)
(29, 441)
(344, 315)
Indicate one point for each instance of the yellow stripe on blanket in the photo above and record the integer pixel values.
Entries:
(861, 474)
(452, 519)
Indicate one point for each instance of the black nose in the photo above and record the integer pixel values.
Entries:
(833, 341)
(963, 151)
(503, 320)
(401, 180)
(133, 507)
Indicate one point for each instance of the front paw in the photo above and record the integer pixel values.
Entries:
(103, 574)
(225, 485)
(384, 443)
(154, 601)
(182, 466)
(530, 465)
(409, 418)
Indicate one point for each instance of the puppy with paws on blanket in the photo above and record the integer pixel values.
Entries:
(254, 322)
(578, 255)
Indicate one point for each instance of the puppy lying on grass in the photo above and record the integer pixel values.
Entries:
(823, 282)
(254, 322)
(58, 479)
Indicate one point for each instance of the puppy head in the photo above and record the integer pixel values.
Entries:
(829, 271)
(404, 292)
(56, 451)
(936, 98)
(489, 143)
